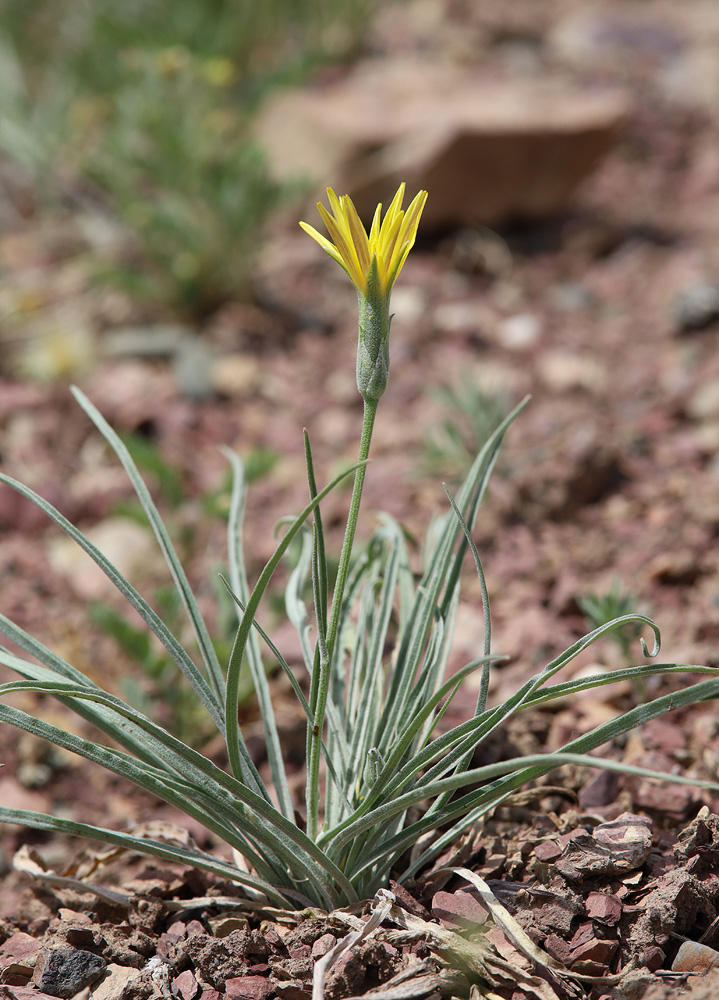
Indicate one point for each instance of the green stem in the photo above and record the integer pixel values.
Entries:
(325, 658)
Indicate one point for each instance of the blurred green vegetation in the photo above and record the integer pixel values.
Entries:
(469, 413)
(144, 110)
(604, 607)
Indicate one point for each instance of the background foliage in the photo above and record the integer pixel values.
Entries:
(145, 112)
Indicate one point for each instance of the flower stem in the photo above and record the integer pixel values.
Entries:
(326, 652)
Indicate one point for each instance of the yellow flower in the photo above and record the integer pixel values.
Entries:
(388, 243)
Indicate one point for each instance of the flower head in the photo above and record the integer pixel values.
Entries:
(388, 243)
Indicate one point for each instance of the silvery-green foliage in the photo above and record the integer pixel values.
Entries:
(391, 779)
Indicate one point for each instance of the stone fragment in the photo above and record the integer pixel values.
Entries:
(113, 985)
(565, 371)
(177, 930)
(558, 948)
(217, 959)
(274, 941)
(652, 958)
(127, 545)
(166, 947)
(701, 837)
(604, 907)
(494, 865)
(459, 316)
(548, 851)
(68, 970)
(20, 949)
(249, 987)
(236, 375)
(584, 857)
(636, 983)
(599, 791)
(185, 985)
(519, 332)
(292, 990)
(224, 925)
(323, 945)
(675, 800)
(74, 915)
(628, 835)
(696, 307)
(460, 909)
(487, 151)
(83, 937)
(406, 900)
(597, 952)
(583, 934)
(694, 957)
(558, 913)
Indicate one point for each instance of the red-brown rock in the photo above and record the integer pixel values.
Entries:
(186, 986)
(248, 988)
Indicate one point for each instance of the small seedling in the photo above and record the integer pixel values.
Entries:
(600, 609)
(471, 413)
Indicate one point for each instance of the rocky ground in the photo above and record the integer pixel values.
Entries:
(608, 314)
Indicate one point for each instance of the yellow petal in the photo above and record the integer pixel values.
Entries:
(396, 203)
(412, 217)
(374, 230)
(349, 258)
(359, 236)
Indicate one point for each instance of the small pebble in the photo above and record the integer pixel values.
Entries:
(519, 331)
(696, 307)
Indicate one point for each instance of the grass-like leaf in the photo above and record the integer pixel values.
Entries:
(209, 657)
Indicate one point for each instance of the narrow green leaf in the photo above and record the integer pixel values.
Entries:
(587, 683)
(487, 619)
(154, 622)
(209, 657)
(319, 561)
(521, 769)
(442, 574)
(232, 734)
(196, 859)
(286, 669)
(488, 797)
(238, 577)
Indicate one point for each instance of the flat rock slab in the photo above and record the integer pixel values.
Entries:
(460, 909)
(66, 971)
(115, 982)
(20, 949)
(486, 151)
(249, 987)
